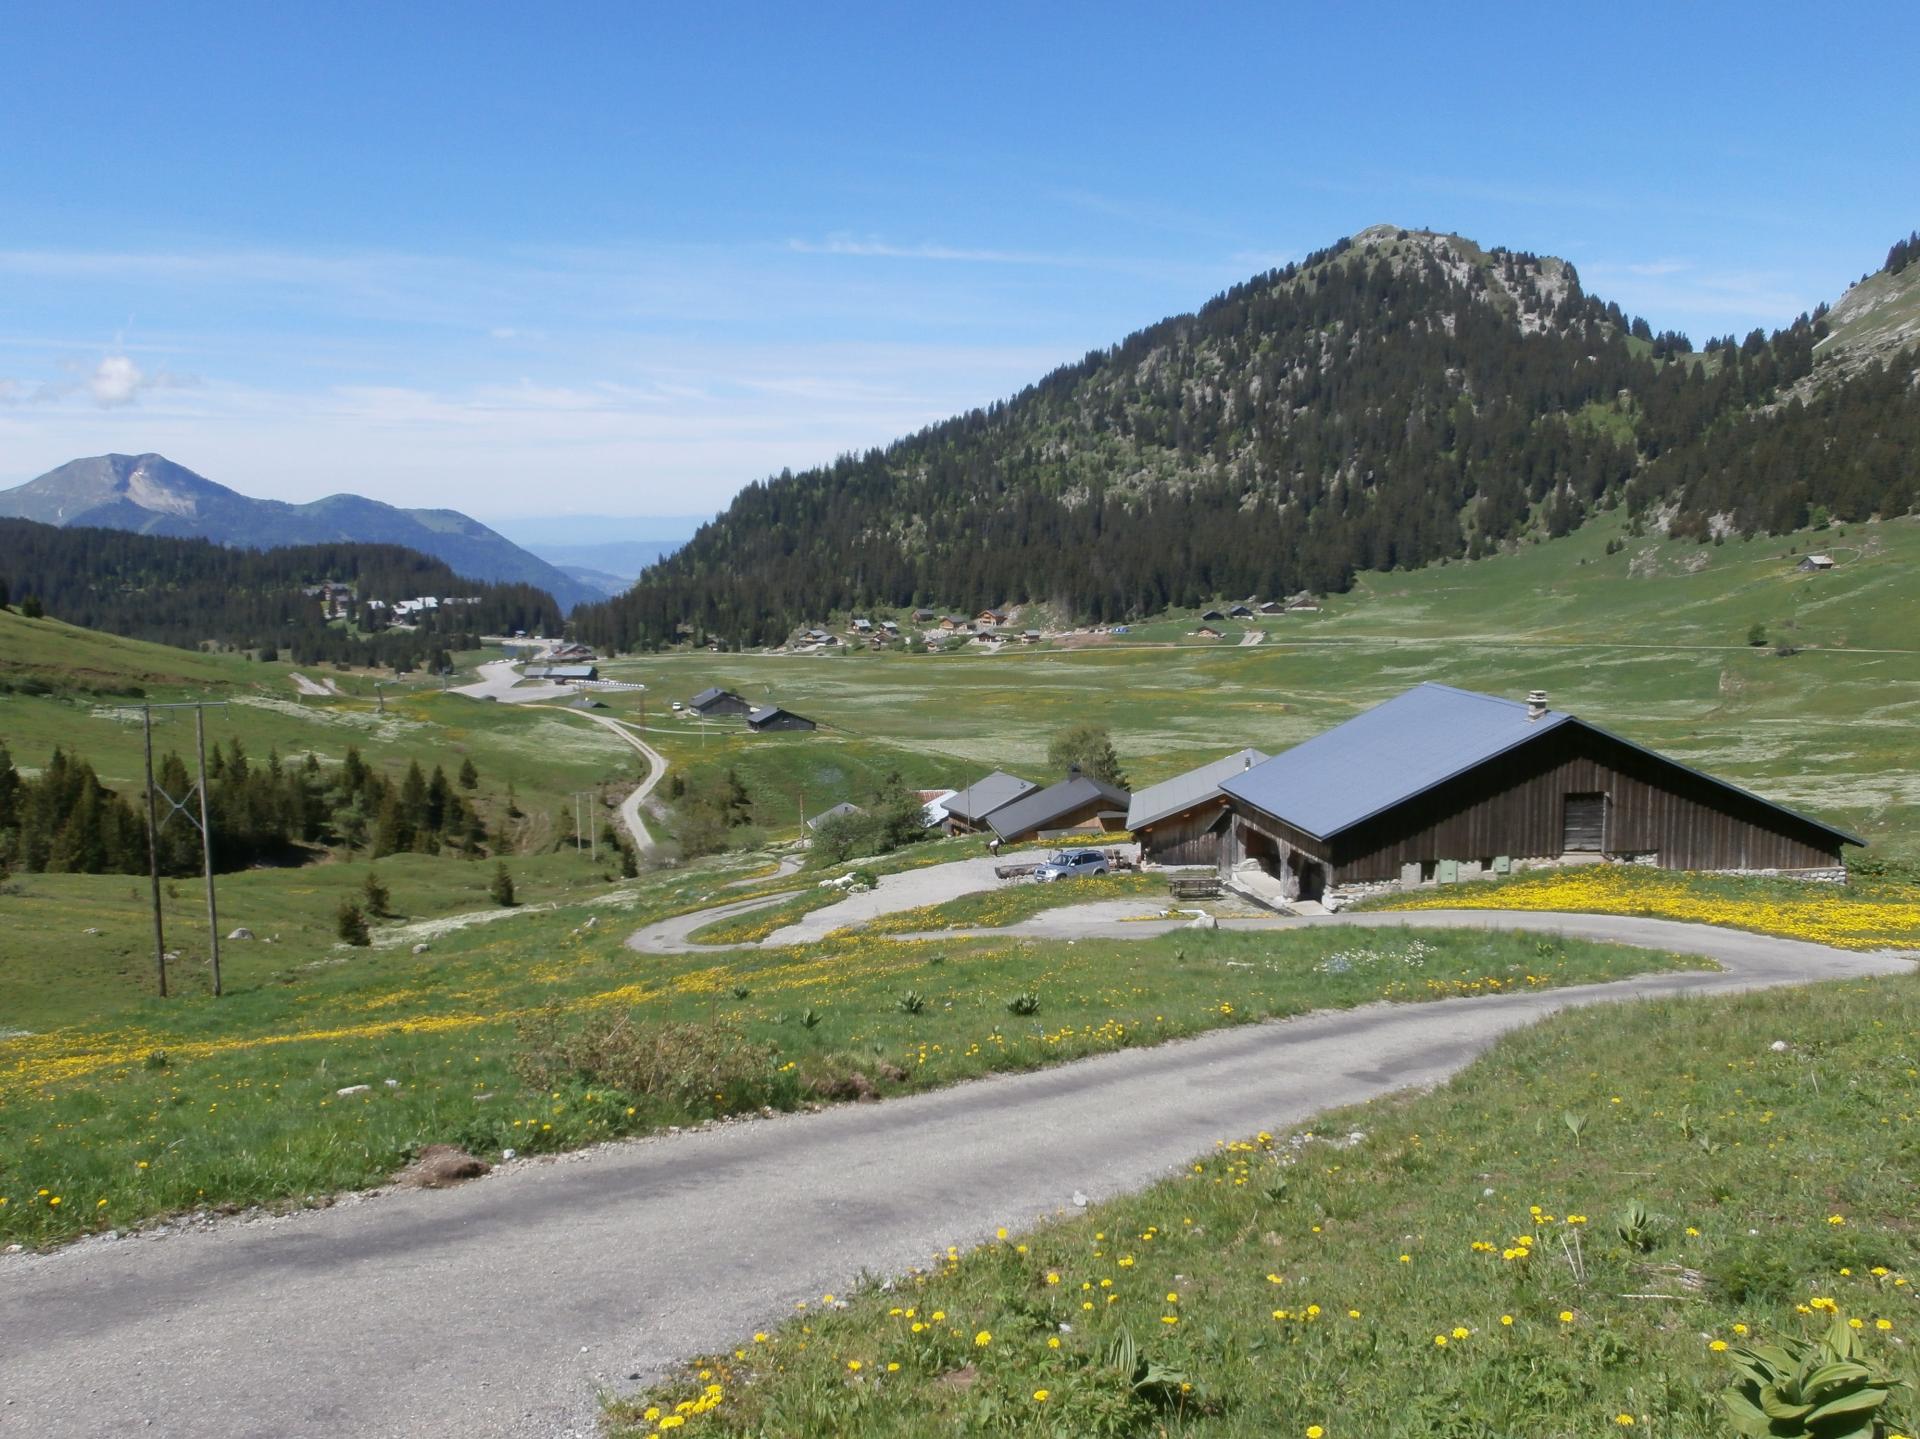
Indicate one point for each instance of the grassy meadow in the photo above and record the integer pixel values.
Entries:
(1650, 641)
(1554, 1244)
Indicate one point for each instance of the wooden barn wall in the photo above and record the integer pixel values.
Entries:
(1514, 805)
(1235, 846)
(1190, 838)
(1096, 816)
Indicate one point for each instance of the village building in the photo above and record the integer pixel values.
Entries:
(839, 811)
(1440, 784)
(1816, 562)
(713, 703)
(933, 806)
(1240, 612)
(769, 718)
(1208, 632)
(561, 672)
(968, 811)
(1272, 607)
(995, 618)
(1184, 819)
(1079, 804)
(1212, 615)
(922, 617)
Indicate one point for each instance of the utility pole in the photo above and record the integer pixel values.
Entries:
(379, 697)
(184, 805)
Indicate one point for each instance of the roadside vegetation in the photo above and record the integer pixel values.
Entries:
(239, 1101)
(1557, 1244)
(1878, 908)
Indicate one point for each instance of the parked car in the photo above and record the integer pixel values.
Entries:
(678, 707)
(1071, 864)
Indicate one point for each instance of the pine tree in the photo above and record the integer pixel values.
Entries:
(378, 898)
(351, 925)
(469, 776)
(500, 891)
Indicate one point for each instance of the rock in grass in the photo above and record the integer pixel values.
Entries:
(241, 933)
(440, 1165)
(353, 1089)
(420, 948)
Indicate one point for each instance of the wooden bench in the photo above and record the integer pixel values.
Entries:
(1193, 886)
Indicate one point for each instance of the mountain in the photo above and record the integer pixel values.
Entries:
(1401, 398)
(189, 592)
(150, 494)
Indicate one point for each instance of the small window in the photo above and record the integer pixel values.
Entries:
(1584, 828)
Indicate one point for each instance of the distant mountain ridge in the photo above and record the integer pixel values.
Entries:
(150, 494)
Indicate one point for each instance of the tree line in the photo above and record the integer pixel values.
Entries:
(1357, 411)
(192, 592)
(64, 820)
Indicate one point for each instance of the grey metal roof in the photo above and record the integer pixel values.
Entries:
(844, 807)
(1184, 791)
(708, 696)
(1035, 810)
(764, 713)
(1409, 744)
(983, 797)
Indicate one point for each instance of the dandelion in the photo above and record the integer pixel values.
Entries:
(1040, 1395)
(1054, 1342)
(1506, 1321)
(1566, 1316)
(1719, 1346)
(854, 1365)
(1883, 1324)
(1625, 1421)
(1052, 1278)
(1836, 1219)
(1739, 1329)
(1462, 1332)
(982, 1339)
(1314, 1431)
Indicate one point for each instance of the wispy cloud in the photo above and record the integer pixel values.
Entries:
(873, 247)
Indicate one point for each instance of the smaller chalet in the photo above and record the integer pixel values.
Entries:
(1208, 632)
(968, 811)
(1079, 804)
(1183, 820)
(716, 702)
(769, 718)
(1816, 562)
(1212, 615)
(922, 617)
(992, 617)
(1272, 607)
(1240, 612)
(862, 627)
(839, 811)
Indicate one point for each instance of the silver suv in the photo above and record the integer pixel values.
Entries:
(1071, 864)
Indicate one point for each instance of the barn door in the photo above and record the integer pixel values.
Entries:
(1584, 828)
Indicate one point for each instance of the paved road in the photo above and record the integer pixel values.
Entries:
(500, 1308)
(656, 771)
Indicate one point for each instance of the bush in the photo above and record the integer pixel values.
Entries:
(378, 898)
(677, 1063)
(500, 891)
(351, 925)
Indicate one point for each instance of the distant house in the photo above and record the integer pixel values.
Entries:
(1208, 632)
(1212, 615)
(1079, 804)
(562, 672)
(1272, 607)
(1301, 603)
(1816, 562)
(1182, 820)
(713, 703)
(570, 652)
(839, 811)
(890, 626)
(921, 617)
(1029, 637)
(863, 627)
(769, 718)
(1240, 612)
(1440, 784)
(955, 622)
(992, 617)
(969, 810)
(933, 802)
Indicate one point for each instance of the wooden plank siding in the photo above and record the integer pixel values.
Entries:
(1515, 805)
(1191, 837)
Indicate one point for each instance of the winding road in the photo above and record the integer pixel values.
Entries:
(503, 1307)
(630, 817)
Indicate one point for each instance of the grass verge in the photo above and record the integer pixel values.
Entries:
(1571, 1238)
(278, 1094)
(1866, 913)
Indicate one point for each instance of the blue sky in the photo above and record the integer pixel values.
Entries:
(623, 258)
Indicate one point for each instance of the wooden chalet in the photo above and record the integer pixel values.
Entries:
(1184, 819)
(714, 703)
(1079, 804)
(770, 718)
(1440, 784)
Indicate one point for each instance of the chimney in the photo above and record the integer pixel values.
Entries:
(1536, 704)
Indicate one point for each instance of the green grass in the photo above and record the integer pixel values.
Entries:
(1649, 641)
(1460, 1270)
(242, 1109)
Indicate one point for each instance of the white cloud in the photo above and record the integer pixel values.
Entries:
(872, 247)
(116, 380)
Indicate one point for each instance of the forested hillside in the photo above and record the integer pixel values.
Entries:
(1398, 399)
(189, 592)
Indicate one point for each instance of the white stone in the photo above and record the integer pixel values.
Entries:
(353, 1089)
(420, 948)
(1079, 1199)
(506, 1154)
(1779, 1046)
(391, 1083)
(241, 933)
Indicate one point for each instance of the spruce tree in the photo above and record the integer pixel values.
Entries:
(351, 925)
(500, 891)
(469, 776)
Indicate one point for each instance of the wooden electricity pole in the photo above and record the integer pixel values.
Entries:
(185, 805)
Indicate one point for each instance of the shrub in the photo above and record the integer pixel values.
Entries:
(679, 1063)
(351, 925)
(378, 898)
(500, 891)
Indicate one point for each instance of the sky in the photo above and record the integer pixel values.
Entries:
(619, 259)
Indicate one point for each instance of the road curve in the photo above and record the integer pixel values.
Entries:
(502, 1307)
(630, 818)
